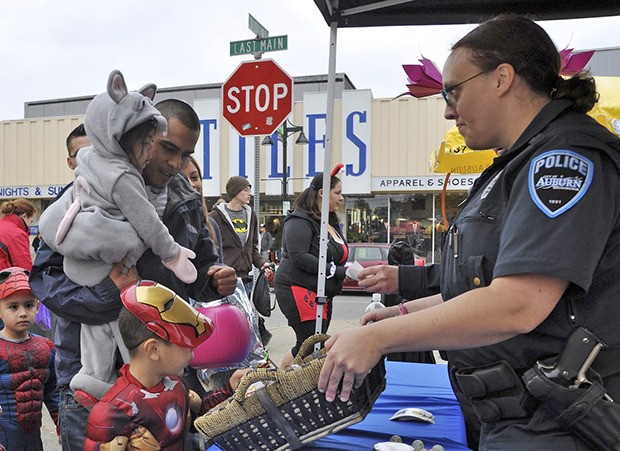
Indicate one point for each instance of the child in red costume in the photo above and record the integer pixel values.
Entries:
(148, 406)
(27, 377)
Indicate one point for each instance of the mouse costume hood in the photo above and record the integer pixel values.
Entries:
(113, 113)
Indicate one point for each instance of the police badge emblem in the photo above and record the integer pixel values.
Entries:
(558, 179)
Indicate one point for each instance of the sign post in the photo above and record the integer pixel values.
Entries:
(256, 106)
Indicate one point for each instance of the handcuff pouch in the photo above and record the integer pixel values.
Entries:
(495, 392)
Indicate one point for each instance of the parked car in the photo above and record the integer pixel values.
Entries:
(369, 254)
(366, 254)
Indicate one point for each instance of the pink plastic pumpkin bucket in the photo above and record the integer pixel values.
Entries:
(230, 342)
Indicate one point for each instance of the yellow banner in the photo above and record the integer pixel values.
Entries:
(454, 156)
(607, 110)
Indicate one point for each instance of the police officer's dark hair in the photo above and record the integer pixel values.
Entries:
(133, 331)
(186, 115)
(309, 202)
(77, 132)
(522, 43)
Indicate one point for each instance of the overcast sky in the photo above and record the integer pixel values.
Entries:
(55, 49)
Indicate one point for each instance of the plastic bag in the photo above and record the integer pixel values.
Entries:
(43, 318)
(257, 353)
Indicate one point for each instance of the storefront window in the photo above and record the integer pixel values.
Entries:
(411, 220)
(366, 219)
(414, 218)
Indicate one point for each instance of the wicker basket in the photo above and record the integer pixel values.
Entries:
(289, 411)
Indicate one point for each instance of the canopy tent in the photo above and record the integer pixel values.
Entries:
(372, 13)
(367, 13)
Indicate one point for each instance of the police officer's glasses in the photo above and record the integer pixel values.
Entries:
(449, 92)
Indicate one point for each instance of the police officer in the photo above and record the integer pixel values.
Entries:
(532, 255)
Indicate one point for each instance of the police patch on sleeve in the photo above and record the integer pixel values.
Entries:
(558, 179)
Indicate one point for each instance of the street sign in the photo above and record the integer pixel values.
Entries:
(253, 46)
(256, 28)
(257, 97)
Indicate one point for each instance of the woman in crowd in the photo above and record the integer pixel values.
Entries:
(297, 276)
(17, 217)
(513, 291)
(194, 175)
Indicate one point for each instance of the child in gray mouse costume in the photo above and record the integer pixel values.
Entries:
(106, 217)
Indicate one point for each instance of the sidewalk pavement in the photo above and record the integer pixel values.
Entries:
(284, 338)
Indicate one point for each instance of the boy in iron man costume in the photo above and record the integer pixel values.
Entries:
(148, 408)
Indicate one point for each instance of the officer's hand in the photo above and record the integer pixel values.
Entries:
(123, 277)
(379, 279)
(351, 354)
(224, 279)
(379, 313)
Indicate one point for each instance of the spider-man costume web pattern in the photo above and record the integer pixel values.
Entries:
(27, 380)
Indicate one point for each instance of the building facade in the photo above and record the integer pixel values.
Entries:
(385, 145)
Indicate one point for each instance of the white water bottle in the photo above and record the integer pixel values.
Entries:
(375, 303)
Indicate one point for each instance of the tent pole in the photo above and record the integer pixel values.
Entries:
(327, 164)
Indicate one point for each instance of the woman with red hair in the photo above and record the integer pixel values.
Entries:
(17, 216)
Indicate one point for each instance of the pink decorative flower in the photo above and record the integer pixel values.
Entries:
(572, 63)
(424, 79)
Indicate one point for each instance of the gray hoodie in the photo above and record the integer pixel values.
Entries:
(106, 215)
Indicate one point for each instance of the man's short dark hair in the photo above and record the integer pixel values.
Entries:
(186, 115)
(77, 132)
(133, 331)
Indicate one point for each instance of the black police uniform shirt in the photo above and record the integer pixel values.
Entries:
(551, 206)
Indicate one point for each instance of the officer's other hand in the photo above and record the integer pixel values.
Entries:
(123, 277)
(379, 279)
(379, 313)
(224, 279)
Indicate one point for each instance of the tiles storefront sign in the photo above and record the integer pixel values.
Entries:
(356, 145)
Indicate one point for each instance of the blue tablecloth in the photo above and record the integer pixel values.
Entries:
(408, 385)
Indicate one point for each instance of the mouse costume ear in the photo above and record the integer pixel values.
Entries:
(148, 90)
(117, 89)
(337, 169)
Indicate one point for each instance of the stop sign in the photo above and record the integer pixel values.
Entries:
(258, 96)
